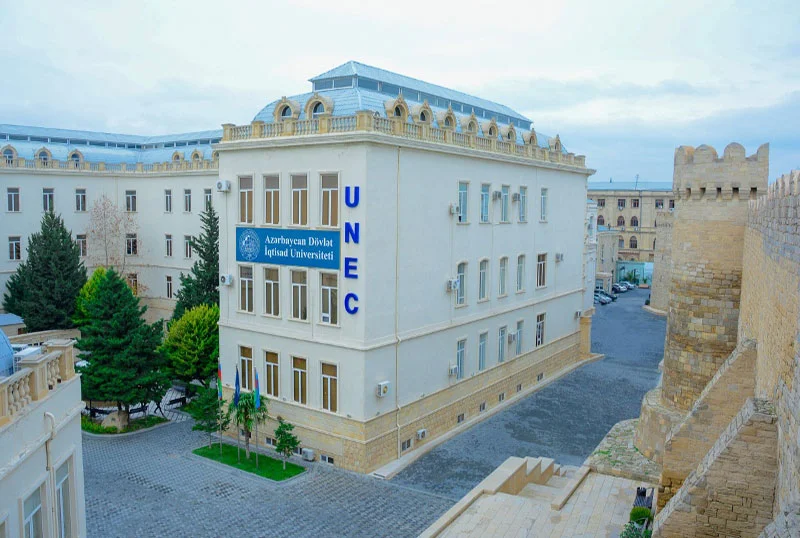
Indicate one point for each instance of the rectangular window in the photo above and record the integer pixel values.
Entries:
(245, 288)
(330, 200)
(246, 367)
(246, 200)
(272, 291)
(482, 341)
(672, 204)
(483, 274)
(501, 396)
(272, 200)
(502, 335)
(299, 295)
(187, 246)
(330, 391)
(169, 287)
(482, 407)
(659, 203)
(168, 244)
(207, 198)
(543, 208)
(540, 329)
(15, 248)
(80, 200)
(300, 378)
(541, 270)
(461, 351)
(131, 244)
(461, 292)
(63, 498)
(460, 418)
(463, 192)
(48, 200)
(601, 203)
(299, 200)
(405, 445)
(521, 272)
(324, 458)
(33, 522)
(12, 194)
(620, 203)
(187, 200)
(271, 361)
(83, 246)
(329, 307)
(130, 201)
(503, 276)
(518, 339)
(485, 196)
(635, 203)
(133, 282)
(523, 204)
(168, 200)
(504, 203)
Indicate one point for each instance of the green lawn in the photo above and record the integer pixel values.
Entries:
(267, 467)
(89, 425)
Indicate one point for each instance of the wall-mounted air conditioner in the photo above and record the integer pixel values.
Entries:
(559, 257)
(225, 279)
(453, 370)
(579, 313)
(453, 209)
(308, 454)
(453, 284)
(512, 337)
(496, 195)
(421, 434)
(382, 389)
(223, 185)
(515, 197)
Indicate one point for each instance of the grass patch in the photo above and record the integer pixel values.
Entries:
(267, 467)
(89, 425)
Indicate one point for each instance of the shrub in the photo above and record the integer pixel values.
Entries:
(640, 514)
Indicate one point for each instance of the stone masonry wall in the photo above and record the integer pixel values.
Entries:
(662, 264)
(731, 492)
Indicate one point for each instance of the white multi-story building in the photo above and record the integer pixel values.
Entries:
(398, 257)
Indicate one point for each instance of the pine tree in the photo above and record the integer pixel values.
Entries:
(285, 441)
(201, 285)
(192, 345)
(87, 293)
(207, 412)
(125, 365)
(43, 289)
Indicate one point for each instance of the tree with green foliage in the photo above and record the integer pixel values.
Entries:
(192, 345)
(285, 441)
(81, 316)
(43, 289)
(201, 285)
(207, 412)
(125, 364)
(245, 415)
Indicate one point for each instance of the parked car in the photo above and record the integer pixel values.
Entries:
(630, 285)
(618, 288)
(603, 293)
(600, 299)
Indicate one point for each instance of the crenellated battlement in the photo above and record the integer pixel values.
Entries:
(786, 186)
(700, 174)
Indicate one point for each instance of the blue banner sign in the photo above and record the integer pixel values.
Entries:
(303, 248)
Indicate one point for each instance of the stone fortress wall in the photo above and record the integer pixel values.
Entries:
(662, 264)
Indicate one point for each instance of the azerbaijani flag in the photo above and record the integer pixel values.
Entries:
(219, 381)
(258, 392)
(236, 389)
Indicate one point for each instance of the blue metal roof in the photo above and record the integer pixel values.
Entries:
(6, 356)
(10, 319)
(630, 186)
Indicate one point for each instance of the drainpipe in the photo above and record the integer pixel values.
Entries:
(49, 458)
(396, 312)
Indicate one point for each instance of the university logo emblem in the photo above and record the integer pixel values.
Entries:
(249, 245)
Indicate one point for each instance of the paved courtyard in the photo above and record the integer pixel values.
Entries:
(565, 420)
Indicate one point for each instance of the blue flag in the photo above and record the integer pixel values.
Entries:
(236, 389)
(258, 393)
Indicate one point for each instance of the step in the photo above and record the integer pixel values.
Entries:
(569, 488)
(547, 467)
(540, 492)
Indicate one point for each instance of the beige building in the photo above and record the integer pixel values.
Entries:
(630, 209)
(607, 256)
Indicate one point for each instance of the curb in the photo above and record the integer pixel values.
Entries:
(307, 470)
(127, 434)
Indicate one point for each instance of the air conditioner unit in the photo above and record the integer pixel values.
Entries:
(453, 209)
(453, 284)
(421, 434)
(223, 185)
(496, 195)
(559, 257)
(515, 197)
(225, 279)
(308, 454)
(512, 337)
(453, 371)
(578, 313)
(382, 389)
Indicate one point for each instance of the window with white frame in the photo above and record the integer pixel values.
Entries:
(131, 244)
(483, 275)
(168, 200)
(541, 270)
(80, 200)
(246, 200)
(482, 343)
(64, 504)
(168, 244)
(300, 380)
(461, 275)
(246, 288)
(48, 200)
(485, 197)
(504, 194)
(272, 291)
(12, 197)
(461, 352)
(299, 294)
(299, 199)
(273, 373)
(130, 201)
(523, 204)
(330, 390)
(501, 291)
(187, 200)
(187, 246)
(463, 192)
(15, 248)
(272, 200)
(246, 367)
(207, 198)
(502, 335)
(32, 513)
(169, 287)
(133, 282)
(518, 338)
(83, 247)
(521, 272)
(543, 208)
(329, 305)
(540, 318)
(330, 200)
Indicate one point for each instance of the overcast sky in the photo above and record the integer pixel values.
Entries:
(622, 82)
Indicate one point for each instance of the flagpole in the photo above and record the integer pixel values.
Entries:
(219, 405)
(256, 441)
(257, 401)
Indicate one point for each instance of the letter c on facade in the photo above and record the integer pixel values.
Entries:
(350, 298)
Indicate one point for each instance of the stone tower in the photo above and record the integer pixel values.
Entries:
(707, 239)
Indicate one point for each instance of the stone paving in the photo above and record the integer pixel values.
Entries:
(564, 420)
(616, 455)
(151, 484)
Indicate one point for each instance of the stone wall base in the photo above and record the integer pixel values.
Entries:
(656, 420)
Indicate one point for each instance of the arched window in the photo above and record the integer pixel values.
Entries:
(8, 156)
(215, 155)
(620, 221)
(398, 112)
(492, 132)
(423, 117)
(633, 243)
(654, 244)
(176, 158)
(75, 157)
(600, 220)
(621, 242)
(44, 157)
(196, 157)
(447, 122)
(286, 111)
(511, 135)
(462, 283)
(634, 221)
(319, 108)
(472, 127)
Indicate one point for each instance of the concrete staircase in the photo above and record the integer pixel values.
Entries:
(552, 483)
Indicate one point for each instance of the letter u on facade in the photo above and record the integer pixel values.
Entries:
(352, 195)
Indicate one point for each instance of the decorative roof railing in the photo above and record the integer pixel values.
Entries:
(367, 121)
(118, 168)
